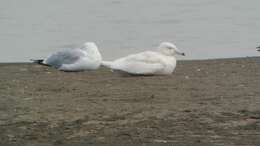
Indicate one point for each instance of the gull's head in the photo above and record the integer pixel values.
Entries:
(169, 49)
(89, 46)
(91, 49)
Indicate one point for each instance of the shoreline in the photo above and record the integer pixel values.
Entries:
(205, 59)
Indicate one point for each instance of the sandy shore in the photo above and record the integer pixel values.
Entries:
(211, 102)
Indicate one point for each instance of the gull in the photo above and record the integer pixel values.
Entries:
(258, 48)
(86, 57)
(160, 62)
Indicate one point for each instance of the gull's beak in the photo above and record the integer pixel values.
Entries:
(179, 52)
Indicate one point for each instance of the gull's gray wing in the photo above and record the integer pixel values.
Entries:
(64, 56)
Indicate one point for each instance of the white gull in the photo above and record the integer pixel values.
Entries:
(160, 62)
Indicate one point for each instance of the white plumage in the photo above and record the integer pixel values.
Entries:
(161, 61)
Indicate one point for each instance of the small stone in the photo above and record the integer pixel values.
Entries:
(187, 111)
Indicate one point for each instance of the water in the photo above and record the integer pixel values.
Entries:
(202, 28)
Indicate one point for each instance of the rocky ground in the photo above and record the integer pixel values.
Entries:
(210, 102)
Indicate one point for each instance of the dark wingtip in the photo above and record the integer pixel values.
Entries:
(37, 61)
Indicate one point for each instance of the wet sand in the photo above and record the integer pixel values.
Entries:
(210, 102)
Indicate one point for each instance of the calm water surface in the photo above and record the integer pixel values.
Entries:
(202, 28)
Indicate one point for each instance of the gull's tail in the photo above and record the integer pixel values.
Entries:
(39, 61)
(106, 64)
